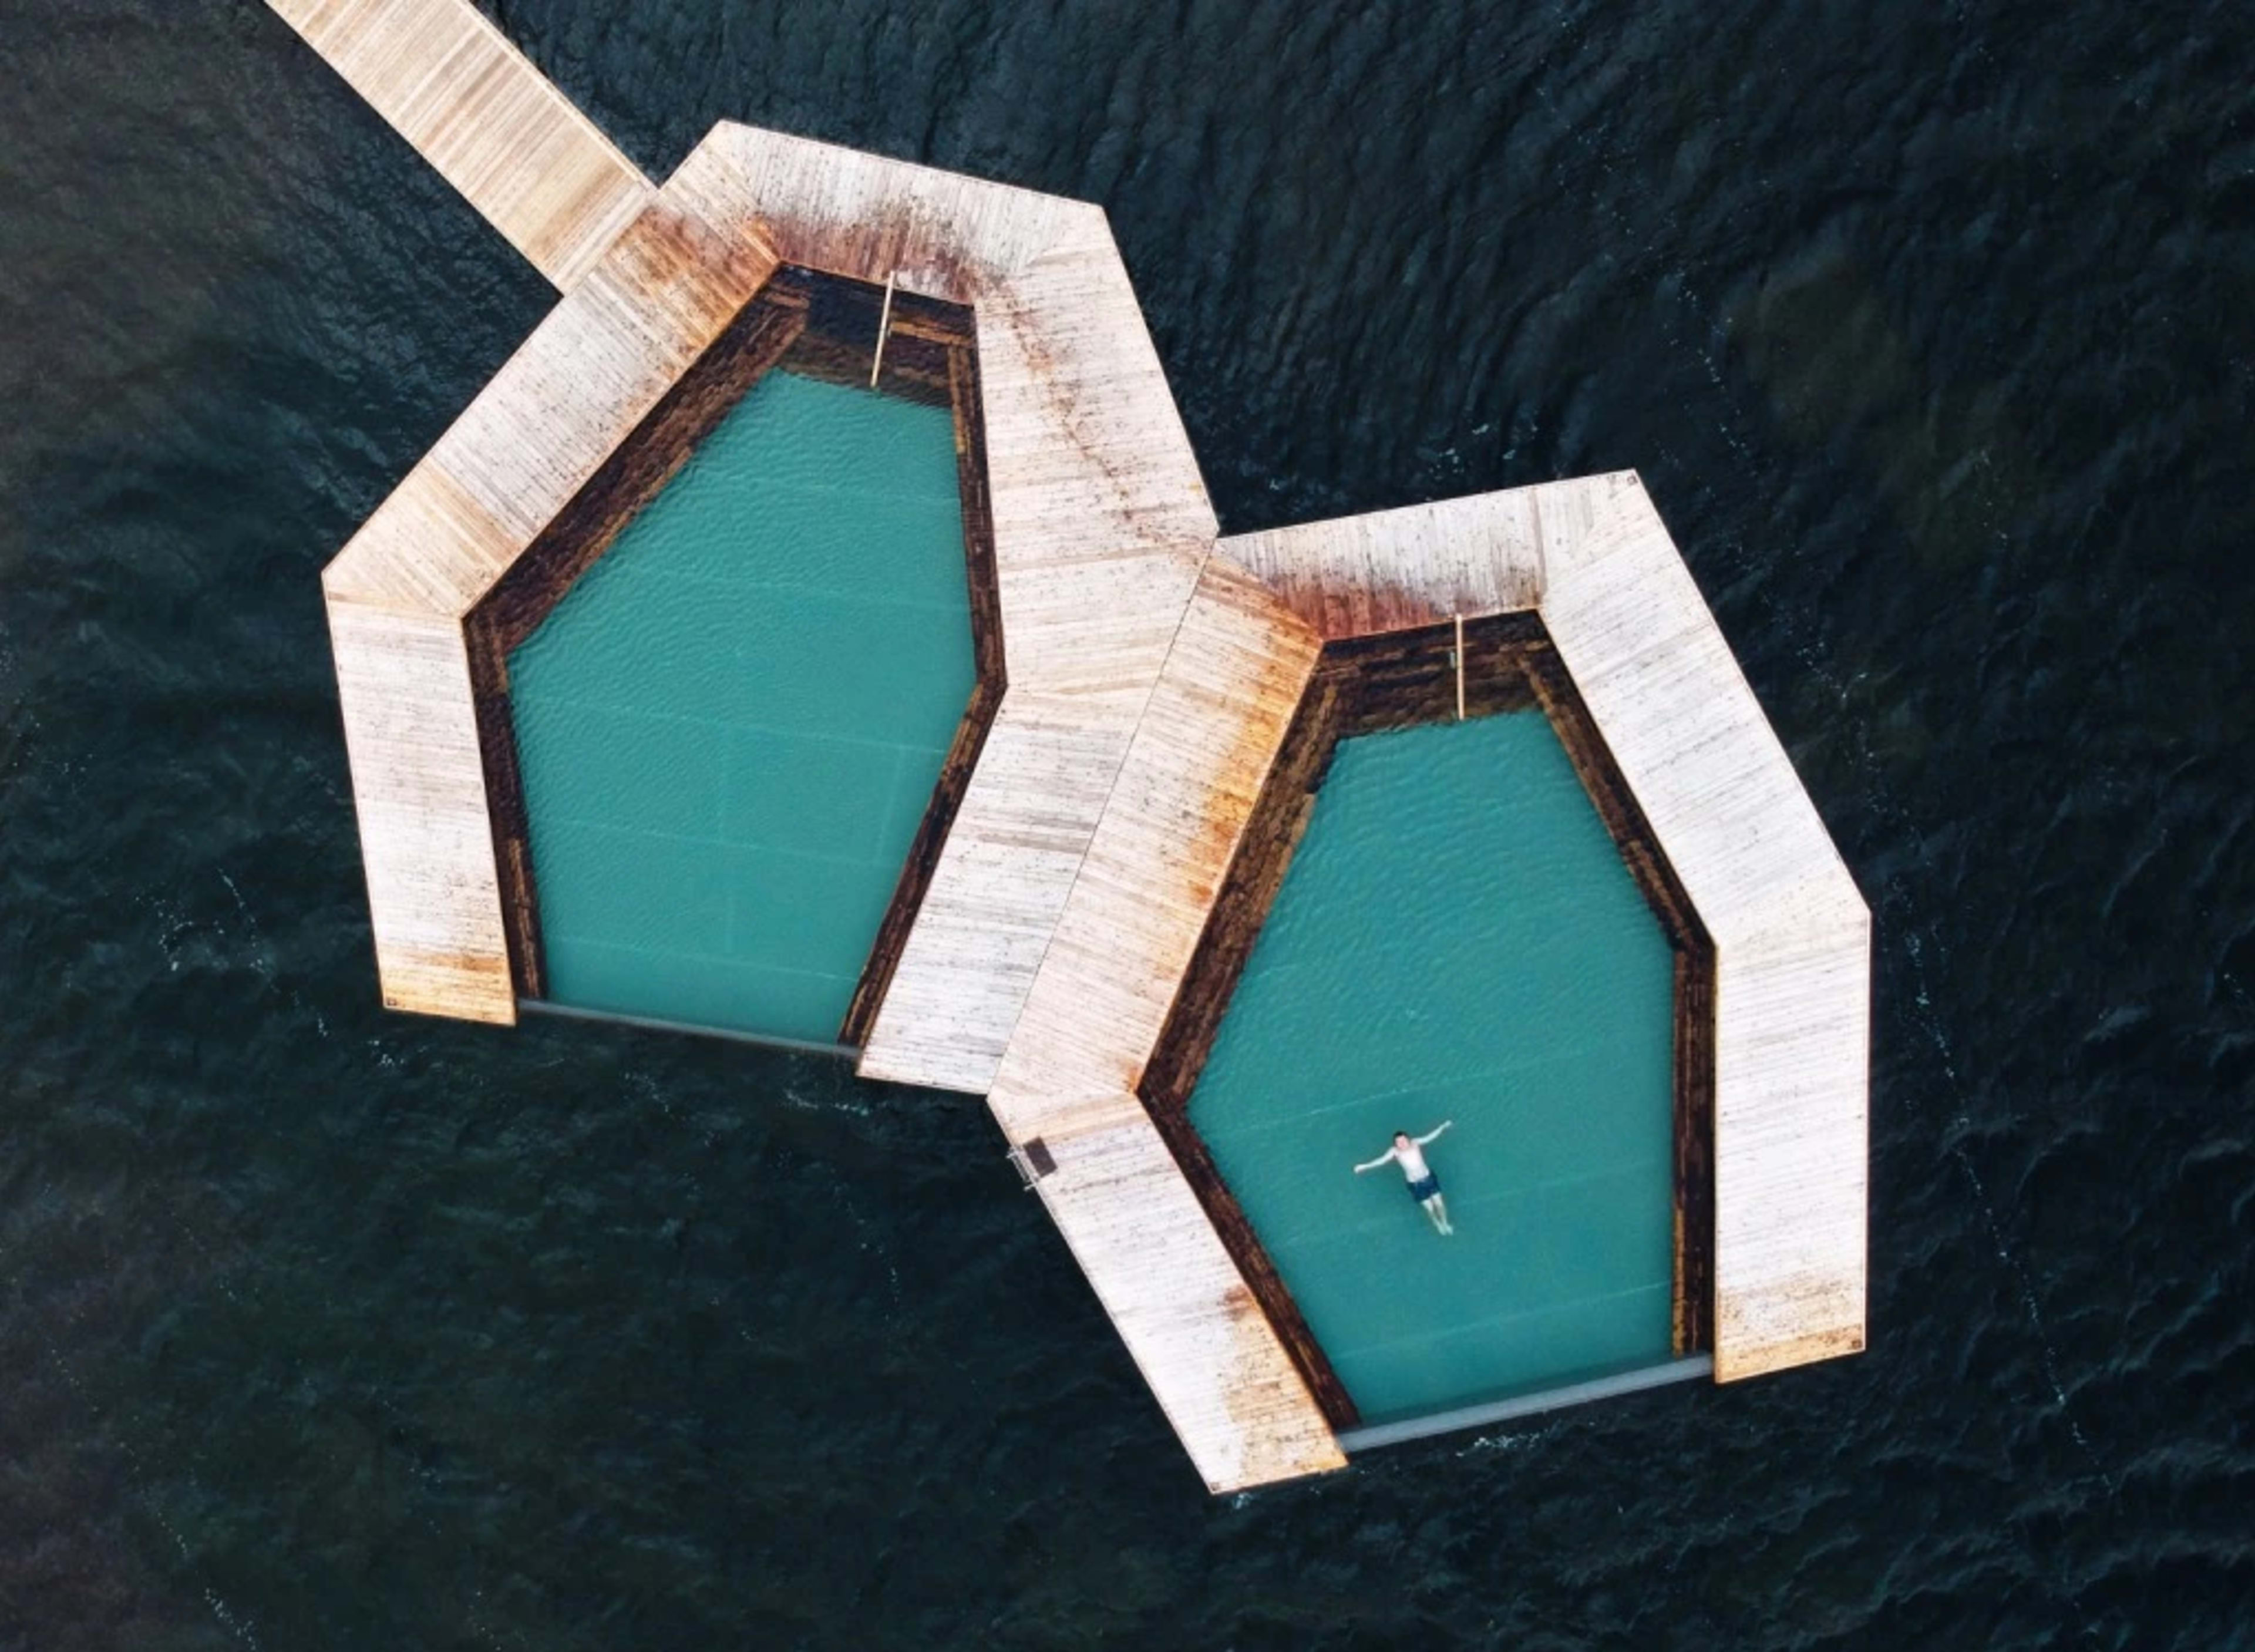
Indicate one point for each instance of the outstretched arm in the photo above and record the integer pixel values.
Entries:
(1434, 1133)
(1386, 1158)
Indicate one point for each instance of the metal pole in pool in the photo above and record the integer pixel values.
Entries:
(884, 326)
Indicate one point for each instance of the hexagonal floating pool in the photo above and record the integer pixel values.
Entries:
(713, 847)
(729, 728)
(1457, 937)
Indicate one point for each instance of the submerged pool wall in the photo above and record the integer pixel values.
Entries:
(1154, 671)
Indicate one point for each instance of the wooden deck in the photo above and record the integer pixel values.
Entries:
(1792, 936)
(1397, 570)
(1231, 684)
(517, 149)
(1100, 526)
(1153, 675)
(1194, 1322)
(399, 591)
(425, 834)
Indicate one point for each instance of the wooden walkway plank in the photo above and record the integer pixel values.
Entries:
(1397, 570)
(1791, 933)
(1189, 1320)
(941, 233)
(1232, 679)
(1701, 757)
(419, 793)
(1792, 1081)
(596, 364)
(1124, 940)
(494, 126)
(1015, 845)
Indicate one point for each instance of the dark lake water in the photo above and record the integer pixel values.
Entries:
(1932, 330)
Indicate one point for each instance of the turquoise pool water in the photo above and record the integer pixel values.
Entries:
(730, 727)
(1457, 937)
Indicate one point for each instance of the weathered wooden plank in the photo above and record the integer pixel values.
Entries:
(1792, 936)
(1793, 1034)
(418, 790)
(1169, 830)
(591, 371)
(1703, 760)
(941, 233)
(1397, 570)
(517, 149)
(1189, 1321)
(1208, 1321)
(1027, 815)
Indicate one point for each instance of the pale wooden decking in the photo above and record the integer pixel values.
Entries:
(517, 149)
(419, 795)
(1792, 936)
(398, 592)
(1232, 677)
(1150, 682)
(1395, 570)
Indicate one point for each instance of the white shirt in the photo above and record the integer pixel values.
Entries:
(1412, 1160)
(1409, 1156)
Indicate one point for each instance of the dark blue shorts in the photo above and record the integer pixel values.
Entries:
(1424, 1188)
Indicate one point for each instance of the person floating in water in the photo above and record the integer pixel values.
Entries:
(1407, 1151)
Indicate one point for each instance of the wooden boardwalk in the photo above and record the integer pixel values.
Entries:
(1592, 559)
(1101, 527)
(1153, 675)
(1232, 678)
(398, 592)
(517, 149)
(1397, 570)
(1792, 936)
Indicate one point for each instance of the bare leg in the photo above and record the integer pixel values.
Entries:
(1439, 1207)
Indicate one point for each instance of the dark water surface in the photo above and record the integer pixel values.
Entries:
(1933, 333)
